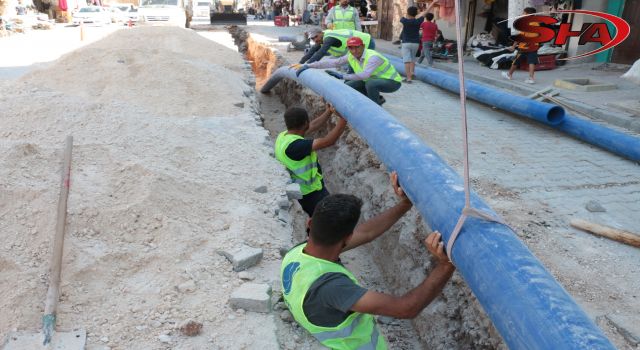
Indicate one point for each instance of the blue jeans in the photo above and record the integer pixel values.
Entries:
(373, 87)
(372, 44)
(426, 52)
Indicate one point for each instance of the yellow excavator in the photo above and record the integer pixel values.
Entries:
(226, 12)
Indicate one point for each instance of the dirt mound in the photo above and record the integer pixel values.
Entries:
(154, 193)
(165, 70)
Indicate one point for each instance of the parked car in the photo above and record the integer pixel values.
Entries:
(92, 15)
(117, 15)
(201, 8)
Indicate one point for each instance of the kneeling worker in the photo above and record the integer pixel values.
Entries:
(334, 43)
(299, 156)
(326, 299)
(373, 73)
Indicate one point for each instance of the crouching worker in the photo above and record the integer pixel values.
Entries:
(299, 156)
(326, 299)
(373, 73)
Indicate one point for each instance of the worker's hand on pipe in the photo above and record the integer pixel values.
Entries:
(396, 186)
(340, 121)
(301, 69)
(334, 74)
(435, 246)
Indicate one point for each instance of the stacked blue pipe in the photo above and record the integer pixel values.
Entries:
(526, 304)
(616, 142)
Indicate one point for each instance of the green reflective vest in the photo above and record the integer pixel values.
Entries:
(344, 18)
(298, 273)
(343, 35)
(303, 172)
(384, 71)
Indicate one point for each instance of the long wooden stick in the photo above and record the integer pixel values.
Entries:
(608, 232)
(53, 293)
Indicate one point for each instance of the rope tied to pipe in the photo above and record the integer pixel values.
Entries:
(468, 210)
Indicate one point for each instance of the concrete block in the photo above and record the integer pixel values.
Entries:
(243, 257)
(284, 216)
(284, 203)
(293, 191)
(586, 85)
(252, 297)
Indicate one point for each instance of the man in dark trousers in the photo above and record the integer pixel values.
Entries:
(333, 42)
(326, 299)
(299, 156)
(372, 72)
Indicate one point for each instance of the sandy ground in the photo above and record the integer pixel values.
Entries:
(166, 158)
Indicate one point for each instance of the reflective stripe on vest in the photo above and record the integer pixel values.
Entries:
(303, 172)
(344, 19)
(383, 71)
(343, 35)
(299, 271)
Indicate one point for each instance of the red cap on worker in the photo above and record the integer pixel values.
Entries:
(354, 41)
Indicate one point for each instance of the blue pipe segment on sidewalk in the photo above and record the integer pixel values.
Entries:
(616, 142)
(526, 304)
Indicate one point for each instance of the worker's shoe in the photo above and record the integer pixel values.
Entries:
(530, 81)
(506, 75)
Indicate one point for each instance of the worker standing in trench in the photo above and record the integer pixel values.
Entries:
(299, 156)
(326, 299)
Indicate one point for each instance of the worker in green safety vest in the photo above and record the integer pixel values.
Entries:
(326, 299)
(333, 42)
(372, 72)
(299, 156)
(343, 16)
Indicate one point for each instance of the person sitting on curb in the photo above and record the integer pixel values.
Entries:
(326, 299)
(299, 156)
(373, 73)
(333, 42)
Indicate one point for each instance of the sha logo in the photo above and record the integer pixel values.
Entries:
(589, 33)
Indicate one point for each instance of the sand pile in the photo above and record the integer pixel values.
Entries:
(155, 192)
(163, 70)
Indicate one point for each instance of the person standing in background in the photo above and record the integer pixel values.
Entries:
(429, 35)
(343, 17)
(410, 38)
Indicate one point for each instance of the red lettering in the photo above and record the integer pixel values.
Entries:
(524, 24)
(597, 28)
(565, 32)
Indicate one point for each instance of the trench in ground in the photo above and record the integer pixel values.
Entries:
(394, 263)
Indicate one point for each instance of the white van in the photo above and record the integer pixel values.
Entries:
(201, 8)
(165, 12)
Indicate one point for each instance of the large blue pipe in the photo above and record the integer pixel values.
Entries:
(527, 306)
(616, 142)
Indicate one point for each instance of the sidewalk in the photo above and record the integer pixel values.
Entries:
(622, 106)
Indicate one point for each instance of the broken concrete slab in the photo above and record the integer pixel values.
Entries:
(627, 326)
(254, 297)
(243, 257)
(293, 191)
